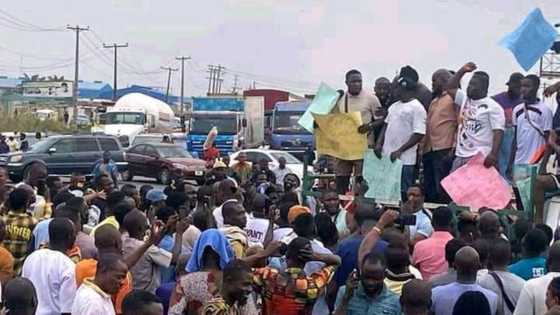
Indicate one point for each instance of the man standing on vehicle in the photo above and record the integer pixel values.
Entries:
(355, 99)
(481, 119)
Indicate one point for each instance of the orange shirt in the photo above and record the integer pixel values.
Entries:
(87, 268)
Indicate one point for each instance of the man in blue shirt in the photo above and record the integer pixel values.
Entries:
(532, 265)
(366, 293)
(348, 249)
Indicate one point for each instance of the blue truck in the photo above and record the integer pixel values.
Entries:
(240, 123)
(287, 134)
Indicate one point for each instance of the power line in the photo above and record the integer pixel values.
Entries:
(22, 25)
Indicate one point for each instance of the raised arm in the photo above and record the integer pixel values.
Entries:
(369, 241)
(455, 81)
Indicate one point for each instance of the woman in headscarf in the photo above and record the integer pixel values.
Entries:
(210, 254)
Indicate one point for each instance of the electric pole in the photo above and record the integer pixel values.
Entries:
(169, 70)
(220, 80)
(235, 82)
(210, 78)
(182, 58)
(76, 29)
(115, 47)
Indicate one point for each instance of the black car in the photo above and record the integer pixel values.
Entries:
(64, 155)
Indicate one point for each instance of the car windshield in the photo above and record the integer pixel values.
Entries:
(173, 152)
(287, 123)
(290, 159)
(203, 124)
(115, 118)
(41, 146)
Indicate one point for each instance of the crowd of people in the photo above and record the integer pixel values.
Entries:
(250, 240)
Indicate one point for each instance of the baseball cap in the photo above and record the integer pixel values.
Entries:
(155, 195)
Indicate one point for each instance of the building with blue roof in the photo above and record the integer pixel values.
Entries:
(93, 90)
(9, 85)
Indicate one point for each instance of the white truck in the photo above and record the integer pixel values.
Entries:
(137, 113)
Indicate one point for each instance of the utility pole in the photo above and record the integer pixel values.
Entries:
(169, 70)
(220, 80)
(182, 58)
(115, 47)
(235, 86)
(76, 29)
(210, 78)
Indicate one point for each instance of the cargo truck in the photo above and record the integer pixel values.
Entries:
(287, 134)
(240, 123)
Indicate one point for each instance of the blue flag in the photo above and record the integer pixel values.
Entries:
(531, 40)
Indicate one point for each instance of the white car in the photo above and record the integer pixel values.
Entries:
(255, 155)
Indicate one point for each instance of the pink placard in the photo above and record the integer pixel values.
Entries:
(476, 186)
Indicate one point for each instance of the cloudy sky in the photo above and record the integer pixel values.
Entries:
(281, 44)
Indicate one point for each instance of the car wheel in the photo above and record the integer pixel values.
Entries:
(127, 176)
(164, 177)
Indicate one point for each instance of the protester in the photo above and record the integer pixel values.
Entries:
(489, 226)
(52, 272)
(451, 249)
(348, 249)
(13, 144)
(441, 135)
(509, 100)
(19, 227)
(94, 295)
(416, 297)
(140, 302)
(146, 272)
(19, 297)
(242, 169)
(532, 121)
(429, 254)
(235, 220)
(367, 293)
(281, 171)
(399, 271)
(404, 128)
(211, 253)
(331, 206)
(506, 285)
(553, 296)
(482, 121)
(4, 148)
(355, 99)
(279, 286)
(234, 291)
(24, 144)
(532, 298)
(259, 221)
(226, 191)
(106, 166)
(532, 265)
(422, 229)
(444, 298)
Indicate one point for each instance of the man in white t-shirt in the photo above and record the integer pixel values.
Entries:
(94, 295)
(532, 120)
(404, 128)
(481, 119)
(52, 272)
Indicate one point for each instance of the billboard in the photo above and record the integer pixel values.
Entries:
(48, 89)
